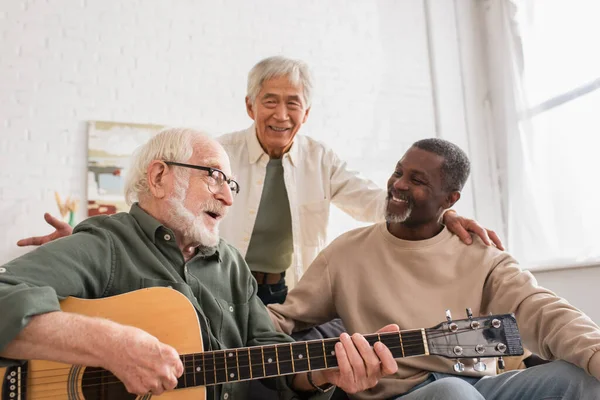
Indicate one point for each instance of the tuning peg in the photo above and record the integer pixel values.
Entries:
(459, 367)
(469, 313)
(501, 364)
(448, 316)
(479, 366)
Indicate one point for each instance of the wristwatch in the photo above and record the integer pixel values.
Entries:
(319, 389)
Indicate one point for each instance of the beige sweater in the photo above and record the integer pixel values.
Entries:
(370, 278)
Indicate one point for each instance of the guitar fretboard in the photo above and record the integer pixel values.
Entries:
(232, 365)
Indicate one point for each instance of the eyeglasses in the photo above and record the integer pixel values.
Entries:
(216, 178)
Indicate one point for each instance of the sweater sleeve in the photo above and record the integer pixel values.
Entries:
(354, 194)
(310, 303)
(549, 325)
(79, 265)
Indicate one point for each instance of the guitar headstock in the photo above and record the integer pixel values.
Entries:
(489, 336)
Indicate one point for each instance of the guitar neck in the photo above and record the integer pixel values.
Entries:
(232, 365)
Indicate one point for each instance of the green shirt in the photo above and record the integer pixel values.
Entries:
(271, 245)
(111, 255)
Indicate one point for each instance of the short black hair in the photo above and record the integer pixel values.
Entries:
(456, 166)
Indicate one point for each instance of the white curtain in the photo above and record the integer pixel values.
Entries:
(544, 72)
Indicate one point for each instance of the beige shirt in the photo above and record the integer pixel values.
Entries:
(314, 178)
(370, 278)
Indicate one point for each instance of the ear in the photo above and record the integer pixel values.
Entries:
(451, 199)
(306, 115)
(249, 108)
(158, 174)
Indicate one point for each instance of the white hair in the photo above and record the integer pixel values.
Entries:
(172, 144)
(296, 71)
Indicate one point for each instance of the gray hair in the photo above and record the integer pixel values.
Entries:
(172, 144)
(296, 71)
(456, 166)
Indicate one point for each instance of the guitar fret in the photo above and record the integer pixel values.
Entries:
(316, 360)
(292, 358)
(274, 360)
(237, 362)
(220, 367)
(277, 360)
(229, 368)
(401, 345)
(425, 345)
(284, 363)
(300, 357)
(391, 341)
(413, 343)
(250, 363)
(204, 369)
(271, 366)
(181, 379)
(256, 362)
(209, 366)
(262, 353)
(225, 355)
(245, 371)
(329, 348)
(194, 368)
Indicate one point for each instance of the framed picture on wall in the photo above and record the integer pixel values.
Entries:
(110, 147)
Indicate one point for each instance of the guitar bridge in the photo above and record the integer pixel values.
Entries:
(13, 383)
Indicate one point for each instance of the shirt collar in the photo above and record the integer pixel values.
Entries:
(255, 150)
(148, 223)
(152, 227)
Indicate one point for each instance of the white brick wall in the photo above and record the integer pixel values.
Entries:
(184, 62)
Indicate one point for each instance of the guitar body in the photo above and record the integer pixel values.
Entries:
(164, 313)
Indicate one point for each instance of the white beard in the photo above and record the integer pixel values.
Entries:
(192, 227)
(396, 218)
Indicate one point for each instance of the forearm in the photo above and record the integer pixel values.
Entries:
(64, 337)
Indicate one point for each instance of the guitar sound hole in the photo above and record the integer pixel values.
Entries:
(100, 384)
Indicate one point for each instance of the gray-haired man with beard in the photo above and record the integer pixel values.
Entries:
(170, 238)
(409, 269)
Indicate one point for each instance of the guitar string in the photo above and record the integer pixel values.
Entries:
(407, 346)
(109, 380)
(114, 382)
(386, 335)
(213, 371)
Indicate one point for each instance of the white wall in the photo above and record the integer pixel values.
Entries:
(185, 63)
(578, 285)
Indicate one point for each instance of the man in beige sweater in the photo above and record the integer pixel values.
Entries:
(409, 269)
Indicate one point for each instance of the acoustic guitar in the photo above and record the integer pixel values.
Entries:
(169, 316)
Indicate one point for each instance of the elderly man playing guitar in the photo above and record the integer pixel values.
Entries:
(133, 342)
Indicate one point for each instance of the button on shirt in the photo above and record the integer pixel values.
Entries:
(314, 178)
(111, 255)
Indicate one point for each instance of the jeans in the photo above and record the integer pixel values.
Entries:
(555, 380)
(274, 293)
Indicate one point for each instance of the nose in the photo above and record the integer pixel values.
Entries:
(225, 195)
(281, 112)
(400, 183)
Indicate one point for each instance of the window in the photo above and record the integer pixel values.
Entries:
(554, 220)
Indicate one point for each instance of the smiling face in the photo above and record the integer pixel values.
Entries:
(415, 194)
(278, 112)
(195, 212)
